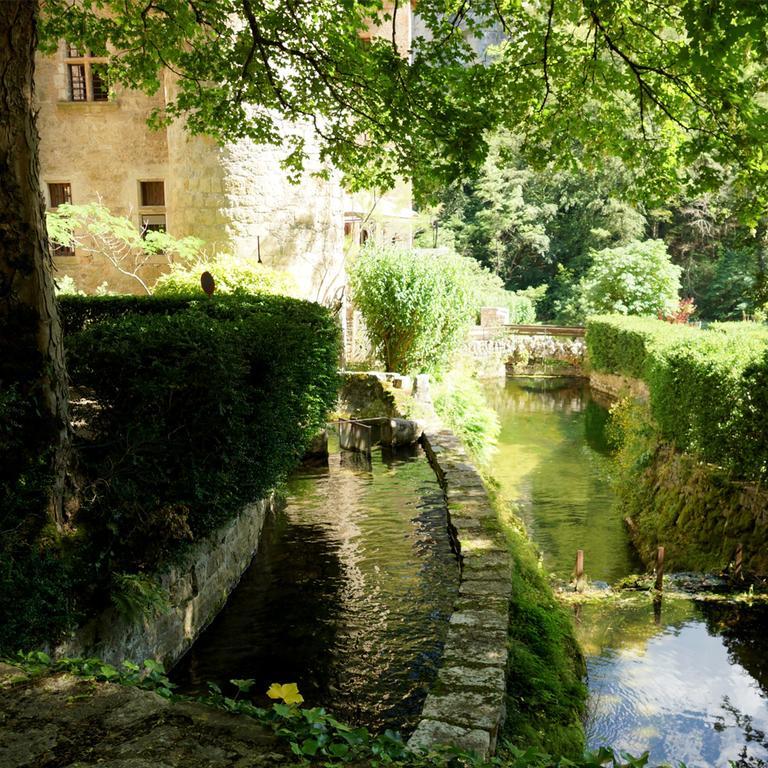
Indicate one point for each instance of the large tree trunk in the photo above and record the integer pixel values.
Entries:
(31, 345)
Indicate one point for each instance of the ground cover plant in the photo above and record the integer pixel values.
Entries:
(312, 735)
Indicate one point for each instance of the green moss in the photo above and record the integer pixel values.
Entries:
(697, 511)
(546, 693)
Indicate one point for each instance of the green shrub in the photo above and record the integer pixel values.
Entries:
(635, 279)
(707, 388)
(417, 305)
(78, 311)
(461, 403)
(199, 411)
(231, 275)
(623, 345)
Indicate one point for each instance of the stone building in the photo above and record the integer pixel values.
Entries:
(96, 146)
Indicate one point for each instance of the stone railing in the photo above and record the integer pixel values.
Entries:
(508, 349)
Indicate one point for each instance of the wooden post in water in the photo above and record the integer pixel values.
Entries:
(660, 569)
(579, 570)
(739, 561)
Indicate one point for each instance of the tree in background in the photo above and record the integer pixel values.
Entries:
(634, 279)
(692, 76)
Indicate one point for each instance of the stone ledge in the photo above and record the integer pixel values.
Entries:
(466, 705)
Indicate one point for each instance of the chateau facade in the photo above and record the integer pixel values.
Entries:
(95, 145)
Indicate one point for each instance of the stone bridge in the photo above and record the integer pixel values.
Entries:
(525, 350)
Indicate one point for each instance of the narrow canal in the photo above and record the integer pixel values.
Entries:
(349, 595)
(689, 684)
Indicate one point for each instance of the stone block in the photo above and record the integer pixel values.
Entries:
(487, 619)
(430, 733)
(490, 679)
(467, 709)
(494, 316)
(396, 432)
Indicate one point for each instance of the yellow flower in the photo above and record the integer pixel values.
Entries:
(288, 692)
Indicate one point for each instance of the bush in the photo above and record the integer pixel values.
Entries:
(199, 411)
(417, 305)
(708, 389)
(231, 275)
(462, 405)
(634, 279)
(624, 345)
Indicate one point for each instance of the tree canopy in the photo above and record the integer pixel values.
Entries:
(661, 85)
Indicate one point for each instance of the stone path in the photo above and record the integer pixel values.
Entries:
(62, 721)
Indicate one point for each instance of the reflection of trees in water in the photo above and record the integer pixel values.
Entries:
(752, 736)
(743, 630)
(540, 396)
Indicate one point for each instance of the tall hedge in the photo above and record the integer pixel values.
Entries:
(198, 408)
(708, 388)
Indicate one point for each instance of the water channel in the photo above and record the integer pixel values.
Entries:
(349, 595)
(690, 684)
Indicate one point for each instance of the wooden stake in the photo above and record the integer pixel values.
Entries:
(660, 569)
(579, 570)
(739, 561)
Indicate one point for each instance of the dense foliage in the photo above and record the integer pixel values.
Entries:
(417, 305)
(538, 224)
(199, 411)
(708, 389)
(659, 90)
(230, 274)
(633, 279)
(185, 410)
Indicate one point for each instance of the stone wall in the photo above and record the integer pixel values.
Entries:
(498, 352)
(197, 590)
(466, 705)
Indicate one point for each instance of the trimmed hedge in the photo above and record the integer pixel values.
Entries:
(708, 388)
(201, 407)
(624, 345)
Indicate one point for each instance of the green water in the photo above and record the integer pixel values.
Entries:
(553, 464)
(685, 681)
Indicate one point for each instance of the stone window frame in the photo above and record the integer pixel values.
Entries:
(84, 63)
(59, 251)
(149, 215)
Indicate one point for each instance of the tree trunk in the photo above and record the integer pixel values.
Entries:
(32, 365)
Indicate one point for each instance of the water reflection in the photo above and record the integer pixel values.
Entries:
(553, 463)
(676, 688)
(685, 681)
(349, 595)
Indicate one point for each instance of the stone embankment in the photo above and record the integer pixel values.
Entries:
(466, 705)
(197, 589)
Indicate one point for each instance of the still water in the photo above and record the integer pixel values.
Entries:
(688, 683)
(349, 594)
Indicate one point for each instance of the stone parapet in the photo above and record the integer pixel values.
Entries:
(197, 590)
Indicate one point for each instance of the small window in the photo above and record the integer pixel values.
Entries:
(152, 194)
(152, 223)
(60, 193)
(87, 73)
